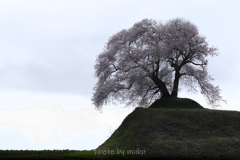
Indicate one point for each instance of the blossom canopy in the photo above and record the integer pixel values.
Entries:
(148, 61)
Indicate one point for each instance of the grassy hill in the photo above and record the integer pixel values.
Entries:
(171, 128)
(176, 128)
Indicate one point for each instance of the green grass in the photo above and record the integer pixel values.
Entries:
(176, 103)
(213, 148)
(47, 154)
(184, 130)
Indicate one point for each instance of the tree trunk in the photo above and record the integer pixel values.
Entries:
(175, 85)
(161, 86)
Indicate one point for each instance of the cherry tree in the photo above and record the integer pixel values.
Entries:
(149, 60)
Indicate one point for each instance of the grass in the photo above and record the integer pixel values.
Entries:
(176, 103)
(185, 130)
(181, 130)
(47, 154)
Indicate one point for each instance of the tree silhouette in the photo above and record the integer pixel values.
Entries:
(149, 60)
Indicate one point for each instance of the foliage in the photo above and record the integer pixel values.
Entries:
(147, 61)
(47, 154)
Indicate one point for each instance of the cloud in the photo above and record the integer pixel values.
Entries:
(49, 123)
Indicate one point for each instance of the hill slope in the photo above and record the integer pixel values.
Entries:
(172, 132)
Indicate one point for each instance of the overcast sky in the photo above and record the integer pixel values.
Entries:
(48, 49)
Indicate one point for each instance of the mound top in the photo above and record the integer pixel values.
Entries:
(169, 102)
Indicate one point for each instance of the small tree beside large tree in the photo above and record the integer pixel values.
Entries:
(149, 60)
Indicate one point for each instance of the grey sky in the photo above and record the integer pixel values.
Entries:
(48, 48)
